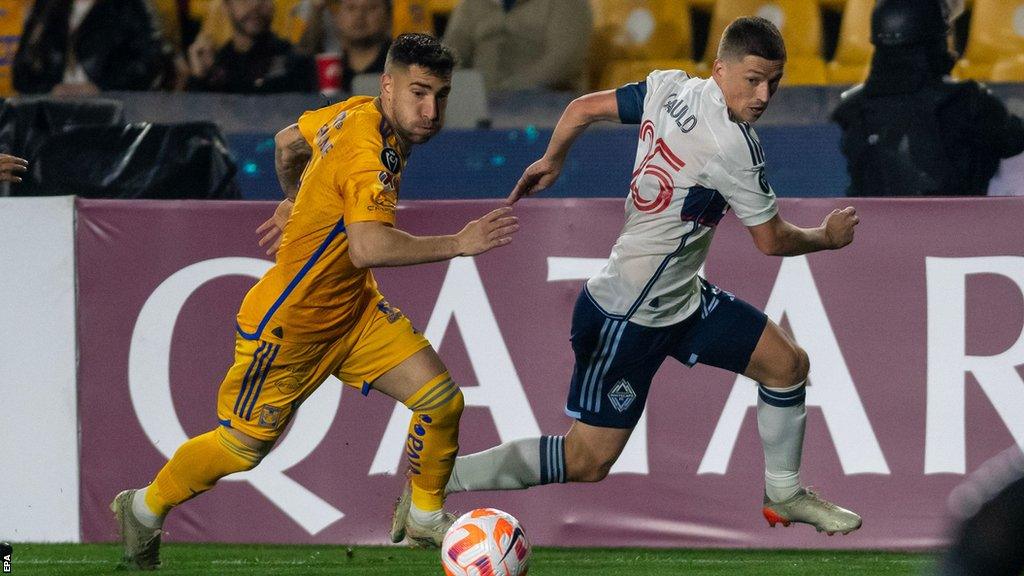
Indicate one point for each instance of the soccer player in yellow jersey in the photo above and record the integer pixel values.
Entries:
(318, 312)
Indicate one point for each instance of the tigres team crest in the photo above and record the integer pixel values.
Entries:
(270, 416)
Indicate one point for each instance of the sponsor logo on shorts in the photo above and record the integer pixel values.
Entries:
(270, 416)
(287, 384)
(622, 395)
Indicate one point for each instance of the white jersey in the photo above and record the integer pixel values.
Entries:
(692, 164)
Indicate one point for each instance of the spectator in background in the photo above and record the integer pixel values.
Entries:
(523, 44)
(911, 131)
(254, 61)
(82, 47)
(362, 30)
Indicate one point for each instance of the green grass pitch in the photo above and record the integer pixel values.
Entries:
(254, 560)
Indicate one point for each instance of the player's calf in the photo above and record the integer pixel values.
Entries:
(591, 451)
(431, 446)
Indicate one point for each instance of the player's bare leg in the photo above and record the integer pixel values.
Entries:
(780, 367)
(590, 451)
(422, 383)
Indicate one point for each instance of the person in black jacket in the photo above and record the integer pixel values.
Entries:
(909, 130)
(88, 46)
(254, 61)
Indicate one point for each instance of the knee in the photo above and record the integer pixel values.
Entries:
(801, 367)
(442, 411)
(451, 410)
(249, 448)
(790, 370)
(440, 403)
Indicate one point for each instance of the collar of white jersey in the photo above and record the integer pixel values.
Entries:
(715, 90)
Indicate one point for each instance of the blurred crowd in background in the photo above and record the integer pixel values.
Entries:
(266, 46)
(916, 124)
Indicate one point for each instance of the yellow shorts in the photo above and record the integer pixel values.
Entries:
(269, 381)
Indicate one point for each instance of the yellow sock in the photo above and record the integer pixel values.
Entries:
(433, 440)
(195, 468)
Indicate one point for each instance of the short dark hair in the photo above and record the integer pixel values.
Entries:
(424, 50)
(752, 36)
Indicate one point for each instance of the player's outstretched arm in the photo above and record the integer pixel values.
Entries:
(777, 237)
(291, 154)
(374, 244)
(579, 114)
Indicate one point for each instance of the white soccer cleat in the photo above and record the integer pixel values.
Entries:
(141, 543)
(401, 513)
(428, 536)
(403, 527)
(807, 507)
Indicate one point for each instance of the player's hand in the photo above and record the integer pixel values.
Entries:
(274, 226)
(537, 177)
(839, 226)
(494, 229)
(11, 167)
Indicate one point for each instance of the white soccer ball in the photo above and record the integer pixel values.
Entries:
(485, 541)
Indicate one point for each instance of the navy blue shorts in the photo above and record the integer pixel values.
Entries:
(616, 359)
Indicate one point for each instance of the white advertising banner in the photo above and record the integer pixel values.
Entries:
(39, 426)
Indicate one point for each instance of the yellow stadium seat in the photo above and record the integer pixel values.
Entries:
(1009, 69)
(170, 25)
(996, 32)
(412, 16)
(14, 12)
(198, 9)
(419, 15)
(621, 72)
(853, 53)
(805, 71)
(798, 20)
(638, 30)
(443, 6)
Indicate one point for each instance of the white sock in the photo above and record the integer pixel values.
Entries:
(511, 466)
(781, 419)
(425, 517)
(143, 513)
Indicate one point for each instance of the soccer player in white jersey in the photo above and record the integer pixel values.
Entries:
(697, 156)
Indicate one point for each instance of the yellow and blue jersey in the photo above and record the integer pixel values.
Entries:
(313, 293)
